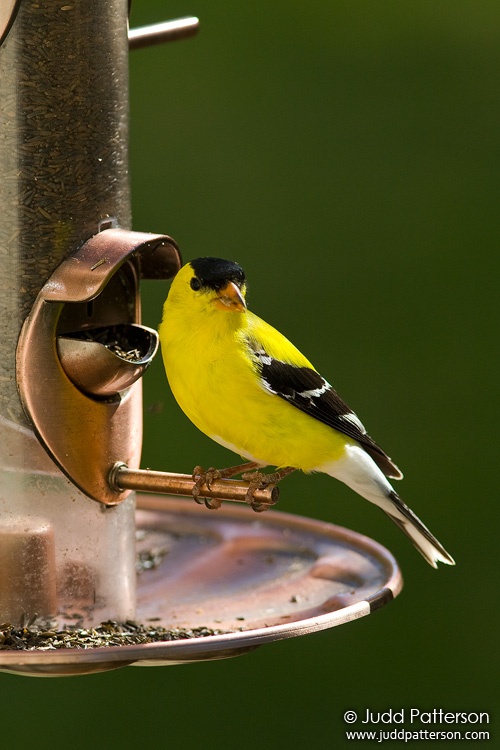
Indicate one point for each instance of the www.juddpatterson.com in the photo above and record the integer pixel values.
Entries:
(376, 724)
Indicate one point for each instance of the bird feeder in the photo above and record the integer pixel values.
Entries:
(93, 577)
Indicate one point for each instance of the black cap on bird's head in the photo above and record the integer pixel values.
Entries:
(223, 277)
(215, 273)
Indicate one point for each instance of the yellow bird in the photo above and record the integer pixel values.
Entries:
(248, 388)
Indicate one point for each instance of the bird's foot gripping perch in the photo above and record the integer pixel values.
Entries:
(203, 477)
(257, 481)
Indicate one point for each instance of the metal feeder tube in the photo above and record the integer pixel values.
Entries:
(63, 176)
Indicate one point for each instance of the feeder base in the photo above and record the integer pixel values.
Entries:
(251, 579)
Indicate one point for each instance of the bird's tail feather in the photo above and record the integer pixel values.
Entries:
(418, 533)
(358, 470)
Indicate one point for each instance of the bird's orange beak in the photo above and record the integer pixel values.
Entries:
(230, 299)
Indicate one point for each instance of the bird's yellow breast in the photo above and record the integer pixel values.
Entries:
(217, 385)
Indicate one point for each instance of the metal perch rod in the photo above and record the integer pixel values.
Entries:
(145, 480)
(157, 33)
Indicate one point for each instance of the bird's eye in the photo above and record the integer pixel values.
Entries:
(195, 284)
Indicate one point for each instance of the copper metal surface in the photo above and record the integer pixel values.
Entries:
(262, 578)
(168, 31)
(100, 370)
(95, 286)
(145, 480)
(8, 10)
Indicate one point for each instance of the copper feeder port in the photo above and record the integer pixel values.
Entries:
(104, 361)
(82, 351)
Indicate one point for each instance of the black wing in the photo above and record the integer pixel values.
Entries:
(308, 391)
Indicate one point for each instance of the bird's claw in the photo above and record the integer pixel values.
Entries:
(257, 480)
(201, 477)
(260, 481)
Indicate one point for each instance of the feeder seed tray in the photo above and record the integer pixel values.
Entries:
(243, 580)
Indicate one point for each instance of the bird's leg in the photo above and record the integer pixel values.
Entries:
(259, 481)
(201, 477)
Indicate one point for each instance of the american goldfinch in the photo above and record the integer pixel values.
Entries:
(248, 388)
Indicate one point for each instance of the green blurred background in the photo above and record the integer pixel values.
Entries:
(347, 155)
